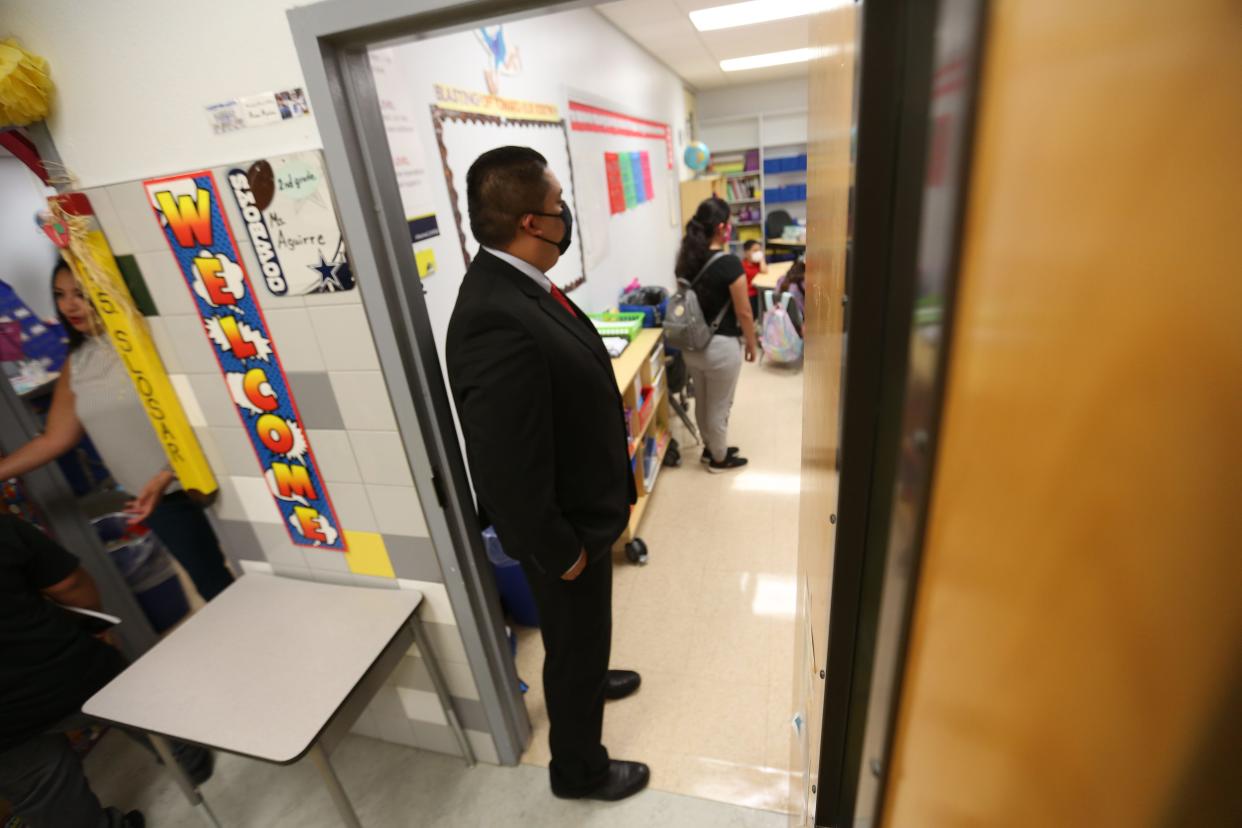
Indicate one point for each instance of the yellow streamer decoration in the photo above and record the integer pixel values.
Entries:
(25, 87)
(91, 260)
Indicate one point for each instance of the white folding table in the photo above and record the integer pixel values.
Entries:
(272, 669)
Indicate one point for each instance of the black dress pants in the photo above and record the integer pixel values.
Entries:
(575, 620)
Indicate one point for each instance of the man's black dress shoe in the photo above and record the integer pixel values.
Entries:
(624, 779)
(621, 683)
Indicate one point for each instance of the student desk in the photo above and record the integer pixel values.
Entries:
(641, 366)
(272, 669)
(776, 271)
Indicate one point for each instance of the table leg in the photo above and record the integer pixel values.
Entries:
(437, 679)
(164, 749)
(343, 806)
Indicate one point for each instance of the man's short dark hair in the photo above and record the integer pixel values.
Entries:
(502, 185)
(751, 244)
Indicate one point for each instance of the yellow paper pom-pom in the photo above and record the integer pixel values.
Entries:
(25, 87)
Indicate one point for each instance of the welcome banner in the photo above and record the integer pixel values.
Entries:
(188, 208)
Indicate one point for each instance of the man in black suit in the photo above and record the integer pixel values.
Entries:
(547, 443)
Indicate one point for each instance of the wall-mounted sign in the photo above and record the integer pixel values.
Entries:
(257, 110)
(463, 100)
(291, 220)
(198, 233)
(629, 180)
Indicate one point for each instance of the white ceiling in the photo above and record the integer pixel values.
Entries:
(663, 28)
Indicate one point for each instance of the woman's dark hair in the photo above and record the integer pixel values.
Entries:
(795, 276)
(797, 273)
(696, 244)
(75, 336)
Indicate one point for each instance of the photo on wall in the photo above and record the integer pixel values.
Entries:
(464, 136)
(290, 217)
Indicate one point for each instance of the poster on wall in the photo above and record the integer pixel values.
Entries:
(467, 124)
(408, 157)
(188, 209)
(287, 206)
(629, 180)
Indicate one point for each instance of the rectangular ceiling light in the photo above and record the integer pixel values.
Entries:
(769, 59)
(758, 11)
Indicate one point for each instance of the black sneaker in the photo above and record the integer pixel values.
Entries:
(730, 463)
(135, 819)
(707, 455)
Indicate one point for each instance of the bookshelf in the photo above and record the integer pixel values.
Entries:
(742, 186)
(769, 145)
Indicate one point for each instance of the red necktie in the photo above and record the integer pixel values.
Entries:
(560, 297)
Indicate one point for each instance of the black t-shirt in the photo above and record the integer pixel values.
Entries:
(48, 666)
(712, 288)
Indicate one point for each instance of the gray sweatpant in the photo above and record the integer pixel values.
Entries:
(715, 370)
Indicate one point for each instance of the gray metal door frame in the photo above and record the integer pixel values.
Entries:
(332, 39)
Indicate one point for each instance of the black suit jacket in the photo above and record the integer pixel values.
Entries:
(543, 421)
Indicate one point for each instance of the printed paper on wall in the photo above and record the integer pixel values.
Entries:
(287, 207)
(198, 234)
(409, 161)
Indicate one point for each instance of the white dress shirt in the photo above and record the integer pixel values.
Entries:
(526, 267)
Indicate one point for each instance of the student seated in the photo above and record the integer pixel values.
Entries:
(794, 283)
(753, 264)
(49, 667)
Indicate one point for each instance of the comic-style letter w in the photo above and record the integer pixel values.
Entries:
(188, 216)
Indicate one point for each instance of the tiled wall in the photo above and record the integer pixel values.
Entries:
(328, 354)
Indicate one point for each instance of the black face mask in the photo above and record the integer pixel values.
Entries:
(567, 218)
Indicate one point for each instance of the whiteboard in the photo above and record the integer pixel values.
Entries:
(464, 136)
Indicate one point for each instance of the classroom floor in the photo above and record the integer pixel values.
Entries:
(391, 787)
(709, 620)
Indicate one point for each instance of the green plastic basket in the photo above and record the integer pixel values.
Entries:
(625, 323)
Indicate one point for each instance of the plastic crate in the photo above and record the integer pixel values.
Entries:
(626, 324)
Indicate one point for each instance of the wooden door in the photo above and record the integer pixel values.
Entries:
(829, 178)
(1076, 652)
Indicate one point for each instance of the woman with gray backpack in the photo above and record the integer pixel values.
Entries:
(710, 320)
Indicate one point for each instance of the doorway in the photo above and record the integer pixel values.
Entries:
(713, 620)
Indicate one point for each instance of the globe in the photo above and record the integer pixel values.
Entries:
(697, 156)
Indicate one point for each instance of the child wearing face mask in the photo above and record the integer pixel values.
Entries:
(753, 264)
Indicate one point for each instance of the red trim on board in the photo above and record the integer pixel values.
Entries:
(583, 126)
(581, 107)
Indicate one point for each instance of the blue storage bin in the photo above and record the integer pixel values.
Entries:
(648, 312)
(515, 594)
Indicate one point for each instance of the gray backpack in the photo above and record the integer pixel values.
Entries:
(685, 326)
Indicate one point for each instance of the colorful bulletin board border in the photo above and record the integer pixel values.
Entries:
(91, 260)
(587, 118)
(198, 234)
(629, 180)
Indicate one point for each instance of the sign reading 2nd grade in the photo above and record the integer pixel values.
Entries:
(189, 210)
